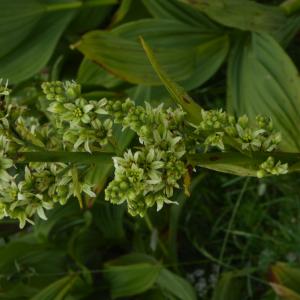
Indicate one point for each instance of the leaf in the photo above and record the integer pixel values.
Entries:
(121, 12)
(229, 287)
(288, 30)
(32, 54)
(135, 273)
(92, 17)
(19, 291)
(128, 280)
(286, 276)
(90, 73)
(175, 215)
(57, 290)
(189, 55)
(244, 15)
(173, 9)
(177, 92)
(109, 219)
(175, 285)
(290, 7)
(226, 162)
(262, 79)
(241, 164)
(285, 292)
(17, 19)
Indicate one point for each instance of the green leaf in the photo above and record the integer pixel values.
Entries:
(228, 162)
(286, 276)
(92, 17)
(288, 30)
(244, 15)
(121, 12)
(173, 9)
(90, 73)
(284, 292)
(57, 290)
(229, 287)
(190, 55)
(175, 215)
(33, 53)
(175, 285)
(18, 291)
(133, 279)
(177, 92)
(17, 19)
(290, 6)
(242, 164)
(262, 79)
(109, 219)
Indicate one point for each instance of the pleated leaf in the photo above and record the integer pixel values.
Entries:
(173, 9)
(34, 52)
(262, 79)
(176, 285)
(244, 15)
(188, 54)
(57, 290)
(229, 287)
(17, 19)
(133, 279)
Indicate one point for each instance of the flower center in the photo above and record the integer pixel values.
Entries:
(77, 112)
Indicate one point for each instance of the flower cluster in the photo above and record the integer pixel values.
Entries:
(30, 189)
(35, 188)
(150, 175)
(4, 90)
(144, 177)
(78, 120)
(217, 125)
(269, 167)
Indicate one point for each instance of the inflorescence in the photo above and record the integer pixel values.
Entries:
(144, 176)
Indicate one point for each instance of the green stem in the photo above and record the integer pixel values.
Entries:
(231, 221)
(105, 158)
(151, 229)
(290, 6)
(228, 162)
(78, 4)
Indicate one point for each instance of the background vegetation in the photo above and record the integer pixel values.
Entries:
(223, 242)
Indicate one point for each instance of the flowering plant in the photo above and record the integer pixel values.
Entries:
(41, 160)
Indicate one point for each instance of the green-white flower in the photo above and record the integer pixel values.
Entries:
(5, 164)
(77, 112)
(4, 90)
(269, 167)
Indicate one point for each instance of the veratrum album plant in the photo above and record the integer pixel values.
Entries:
(44, 161)
(149, 149)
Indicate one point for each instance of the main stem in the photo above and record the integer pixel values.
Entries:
(105, 158)
(247, 165)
